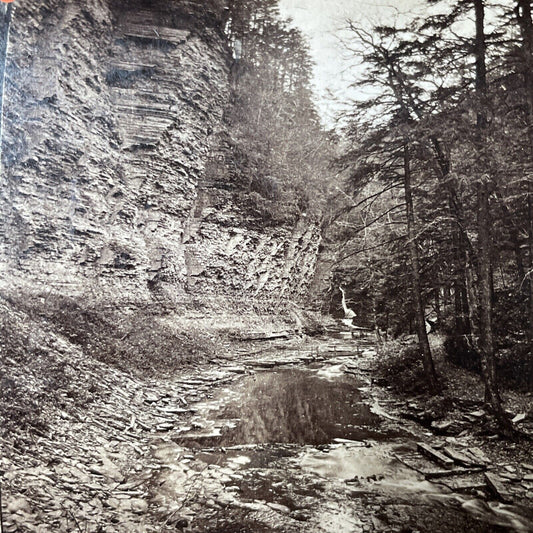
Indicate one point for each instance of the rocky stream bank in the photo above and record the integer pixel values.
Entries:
(275, 435)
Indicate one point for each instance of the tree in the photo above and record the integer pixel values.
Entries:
(525, 21)
(423, 341)
(459, 128)
(276, 132)
(392, 146)
(484, 190)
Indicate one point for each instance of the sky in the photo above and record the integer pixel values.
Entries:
(322, 22)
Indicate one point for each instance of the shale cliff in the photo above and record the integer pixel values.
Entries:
(131, 269)
(114, 182)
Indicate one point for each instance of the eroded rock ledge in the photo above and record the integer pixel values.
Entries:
(113, 113)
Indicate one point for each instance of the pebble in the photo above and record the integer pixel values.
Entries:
(18, 504)
(301, 516)
(112, 502)
(280, 508)
(236, 369)
(139, 506)
(151, 398)
(165, 426)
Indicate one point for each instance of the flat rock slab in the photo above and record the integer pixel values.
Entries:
(519, 418)
(262, 336)
(176, 410)
(451, 473)
(497, 487)
(237, 369)
(435, 455)
(465, 484)
(165, 427)
(264, 364)
(350, 442)
(478, 455)
(426, 467)
(462, 458)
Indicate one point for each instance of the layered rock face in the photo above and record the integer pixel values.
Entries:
(110, 187)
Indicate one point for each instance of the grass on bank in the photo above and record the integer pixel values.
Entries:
(54, 347)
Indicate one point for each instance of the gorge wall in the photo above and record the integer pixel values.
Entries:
(112, 185)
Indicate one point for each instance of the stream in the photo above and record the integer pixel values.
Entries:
(292, 446)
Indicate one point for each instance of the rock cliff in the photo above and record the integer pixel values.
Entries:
(113, 187)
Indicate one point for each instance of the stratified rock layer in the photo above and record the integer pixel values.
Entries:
(113, 111)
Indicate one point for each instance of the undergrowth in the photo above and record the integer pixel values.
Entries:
(34, 376)
(43, 336)
(513, 364)
(399, 365)
(140, 340)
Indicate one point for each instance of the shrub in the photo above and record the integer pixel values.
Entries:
(400, 366)
(460, 352)
(514, 368)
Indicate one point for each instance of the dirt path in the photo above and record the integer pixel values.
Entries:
(293, 439)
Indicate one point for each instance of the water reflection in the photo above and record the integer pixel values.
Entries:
(299, 407)
(284, 410)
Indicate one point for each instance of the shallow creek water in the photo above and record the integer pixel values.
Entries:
(305, 449)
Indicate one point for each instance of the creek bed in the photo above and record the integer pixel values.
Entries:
(303, 448)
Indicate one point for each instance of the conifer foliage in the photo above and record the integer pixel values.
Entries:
(282, 150)
(439, 196)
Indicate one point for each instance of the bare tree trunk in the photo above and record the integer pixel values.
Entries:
(486, 340)
(520, 270)
(375, 320)
(438, 308)
(423, 341)
(484, 223)
(529, 275)
(473, 307)
(461, 242)
(462, 303)
(523, 13)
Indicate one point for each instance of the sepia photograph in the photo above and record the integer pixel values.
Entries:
(266, 266)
